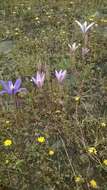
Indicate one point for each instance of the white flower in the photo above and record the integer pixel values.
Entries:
(84, 27)
(73, 47)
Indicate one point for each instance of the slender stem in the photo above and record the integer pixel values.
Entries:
(64, 146)
(83, 140)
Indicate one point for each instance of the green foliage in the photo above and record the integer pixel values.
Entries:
(71, 117)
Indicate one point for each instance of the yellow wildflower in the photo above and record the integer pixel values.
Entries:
(16, 29)
(16, 33)
(91, 19)
(41, 139)
(14, 12)
(29, 8)
(7, 161)
(57, 111)
(51, 152)
(104, 20)
(77, 98)
(93, 184)
(105, 162)
(103, 124)
(71, 2)
(78, 179)
(92, 150)
(7, 142)
(36, 18)
(38, 21)
(7, 122)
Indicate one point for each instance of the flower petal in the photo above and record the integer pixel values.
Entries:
(20, 90)
(89, 26)
(17, 84)
(3, 92)
(10, 85)
(63, 75)
(57, 74)
(81, 26)
(34, 79)
(4, 84)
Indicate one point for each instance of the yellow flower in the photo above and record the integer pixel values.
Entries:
(7, 142)
(92, 150)
(41, 139)
(16, 29)
(71, 2)
(51, 152)
(77, 98)
(16, 33)
(7, 122)
(7, 161)
(57, 111)
(78, 179)
(14, 12)
(105, 162)
(93, 184)
(103, 124)
(91, 19)
(36, 18)
(104, 20)
(29, 8)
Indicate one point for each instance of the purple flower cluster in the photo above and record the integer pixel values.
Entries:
(13, 89)
(40, 77)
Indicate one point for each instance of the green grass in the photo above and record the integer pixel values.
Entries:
(35, 35)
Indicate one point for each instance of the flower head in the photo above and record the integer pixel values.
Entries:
(10, 88)
(92, 150)
(103, 124)
(77, 98)
(84, 27)
(7, 142)
(7, 161)
(7, 122)
(39, 79)
(73, 47)
(41, 139)
(93, 184)
(51, 153)
(77, 179)
(60, 75)
(105, 162)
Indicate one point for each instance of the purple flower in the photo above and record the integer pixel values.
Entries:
(39, 79)
(84, 27)
(10, 88)
(60, 75)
